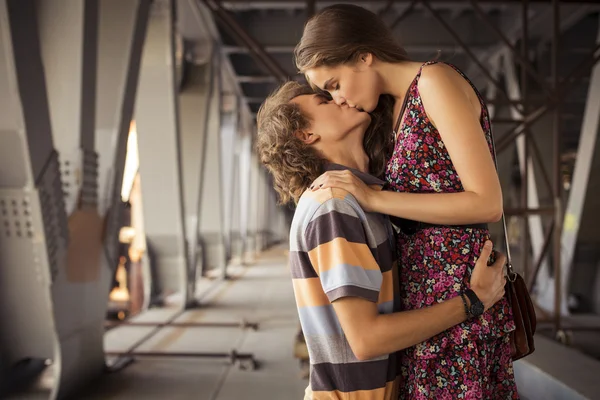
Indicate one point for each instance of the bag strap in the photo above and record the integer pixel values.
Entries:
(511, 274)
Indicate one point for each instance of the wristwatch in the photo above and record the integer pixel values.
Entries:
(477, 307)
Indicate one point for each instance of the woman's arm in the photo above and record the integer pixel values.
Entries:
(457, 119)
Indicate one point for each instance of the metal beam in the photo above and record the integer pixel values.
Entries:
(565, 87)
(34, 232)
(557, 178)
(581, 174)
(462, 44)
(379, 3)
(521, 58)
(404, 14)
(417, 48)
(539, 26)
(255, 79)
(238, 32)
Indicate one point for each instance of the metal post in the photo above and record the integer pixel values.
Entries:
(557, 170)
(536, 267)
(536, 155)
(525, 167)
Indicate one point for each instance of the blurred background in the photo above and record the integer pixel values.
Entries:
(143, 254)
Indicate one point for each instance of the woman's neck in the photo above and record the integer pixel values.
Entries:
(397, 77)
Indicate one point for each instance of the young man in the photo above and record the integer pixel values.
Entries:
(342, 257)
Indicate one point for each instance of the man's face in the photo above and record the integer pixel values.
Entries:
(331, 123)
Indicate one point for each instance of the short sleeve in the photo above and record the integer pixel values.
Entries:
(340, 254)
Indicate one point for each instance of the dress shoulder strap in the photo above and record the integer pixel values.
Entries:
(407, 95)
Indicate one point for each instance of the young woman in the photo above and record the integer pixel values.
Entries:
(442, 189)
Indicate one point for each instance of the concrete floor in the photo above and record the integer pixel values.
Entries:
(262, 293)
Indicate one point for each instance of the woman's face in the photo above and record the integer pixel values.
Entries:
(332, 123)
(352, 85)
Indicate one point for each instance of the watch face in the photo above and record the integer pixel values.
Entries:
(477, 309)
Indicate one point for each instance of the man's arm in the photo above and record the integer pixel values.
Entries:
(371, 334)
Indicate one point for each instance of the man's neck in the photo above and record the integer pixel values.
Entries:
(352, 159)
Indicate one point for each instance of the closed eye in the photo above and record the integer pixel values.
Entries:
(323, 98)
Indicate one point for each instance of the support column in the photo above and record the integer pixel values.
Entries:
(69, 44)
(236, 242)
(245, 174)
(262, 212)
(211, 228)
(122, 30)
(195, 108)
(33, 226)
(160, 158)
(581, 215)
(252, 236)
(536, 229)
(229, 123)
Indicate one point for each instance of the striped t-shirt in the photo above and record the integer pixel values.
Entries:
(338, 250)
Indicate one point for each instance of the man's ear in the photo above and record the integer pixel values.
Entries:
(307, 137)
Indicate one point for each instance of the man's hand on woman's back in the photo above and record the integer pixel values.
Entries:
(488, 281)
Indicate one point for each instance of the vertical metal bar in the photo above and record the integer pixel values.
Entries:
(536, 267)
(557, 170)
(525, 166)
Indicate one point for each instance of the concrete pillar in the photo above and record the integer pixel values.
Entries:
(262, 214)
(69, 33)
(229, 134)
(195, 111)
(251, 236)
(156, 115)
(236, 184)
(245, 175)
(581, 223)
(122, 30)
(33, 228)
(211, 210)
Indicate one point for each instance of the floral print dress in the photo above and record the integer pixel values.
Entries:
(471, 360)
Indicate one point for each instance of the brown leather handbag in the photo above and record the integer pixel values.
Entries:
(521, 339)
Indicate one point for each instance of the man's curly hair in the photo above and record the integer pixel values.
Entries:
(293, 164)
